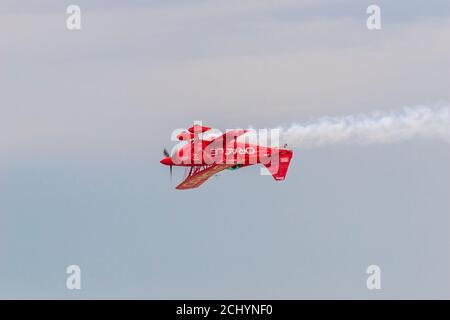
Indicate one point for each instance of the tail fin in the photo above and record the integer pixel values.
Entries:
(279, 164)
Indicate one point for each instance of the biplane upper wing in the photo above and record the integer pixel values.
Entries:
(198, 178)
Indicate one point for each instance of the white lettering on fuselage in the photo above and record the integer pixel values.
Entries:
(233, 151)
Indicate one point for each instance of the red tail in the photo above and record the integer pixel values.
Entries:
(279, 165)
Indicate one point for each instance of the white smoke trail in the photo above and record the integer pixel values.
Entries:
(379, 127)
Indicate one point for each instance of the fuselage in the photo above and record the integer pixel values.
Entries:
(202, 153)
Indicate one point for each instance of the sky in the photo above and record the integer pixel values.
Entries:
(85, 114)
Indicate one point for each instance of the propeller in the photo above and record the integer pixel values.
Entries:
(167, 154)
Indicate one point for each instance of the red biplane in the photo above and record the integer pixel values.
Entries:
(204, 158)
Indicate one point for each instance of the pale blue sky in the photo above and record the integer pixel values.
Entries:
(85, 115)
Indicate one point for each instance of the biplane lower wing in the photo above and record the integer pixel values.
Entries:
(230, 136)
(197, 178)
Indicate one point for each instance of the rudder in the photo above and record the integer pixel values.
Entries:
(278, 167)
